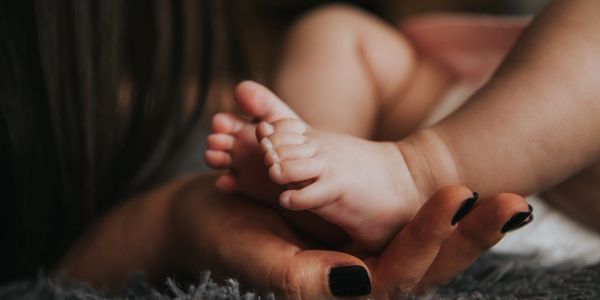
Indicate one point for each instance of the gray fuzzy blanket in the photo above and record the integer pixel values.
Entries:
(491, 277)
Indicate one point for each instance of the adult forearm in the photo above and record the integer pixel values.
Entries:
(536, 121)
(182, 228)
(134, 237)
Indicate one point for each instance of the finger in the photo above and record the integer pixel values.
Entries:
(317, 274)
(477, 232)
(265, 255)
(406, 259)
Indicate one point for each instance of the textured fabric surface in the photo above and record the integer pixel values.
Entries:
(491, 277)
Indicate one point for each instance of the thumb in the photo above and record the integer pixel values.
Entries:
(317, 274)
(409, 255)
(256, 246)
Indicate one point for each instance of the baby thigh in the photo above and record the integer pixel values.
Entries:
(339, 68)
(457, 53)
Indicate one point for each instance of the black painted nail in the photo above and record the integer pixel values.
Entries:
(349, 281)
(465, 207)
(518, 220)
(527, 221)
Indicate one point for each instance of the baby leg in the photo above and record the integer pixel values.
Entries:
(457, 54)
(340, 66)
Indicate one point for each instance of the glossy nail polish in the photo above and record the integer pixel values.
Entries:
(527, 221)
(349, 281)
(518, 220)
(465, 207)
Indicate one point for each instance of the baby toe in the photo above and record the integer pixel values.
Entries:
(288, 152)
(217, 159)
(265, 129)
(227, 123)
(291, 125)
(279, 139)
(259, 102)
(296, 170)
(294, 152)
(312, 196)
(226, 183)
(220, 141)
(271, 158)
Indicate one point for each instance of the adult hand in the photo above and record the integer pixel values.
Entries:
(237, 238)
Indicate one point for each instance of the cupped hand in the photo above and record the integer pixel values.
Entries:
(237, 238)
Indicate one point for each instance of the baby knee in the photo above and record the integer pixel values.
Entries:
(330, 21)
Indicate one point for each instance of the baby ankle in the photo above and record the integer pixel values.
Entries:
(429, 161)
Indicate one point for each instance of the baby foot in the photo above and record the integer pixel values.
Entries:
(362, 186)
(233, 146)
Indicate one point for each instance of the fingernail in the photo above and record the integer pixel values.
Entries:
(518, 220)
(527, 221)
(465, 207)
(349, 281)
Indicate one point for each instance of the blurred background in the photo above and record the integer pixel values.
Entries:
(260, 25)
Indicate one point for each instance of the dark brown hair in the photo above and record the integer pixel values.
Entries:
(94, 98)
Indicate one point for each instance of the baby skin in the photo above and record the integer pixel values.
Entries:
(362, 186)
(506, 138)
(369, 189)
